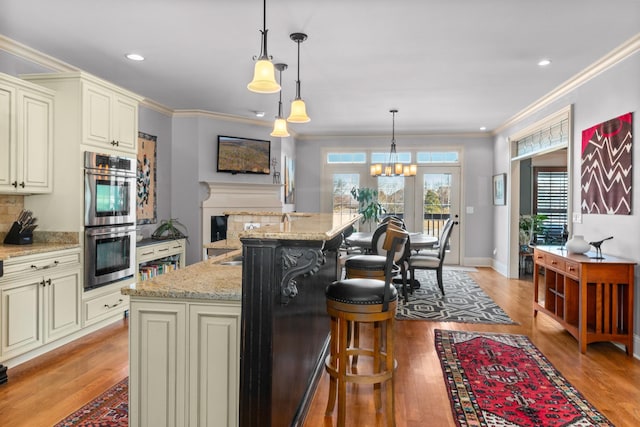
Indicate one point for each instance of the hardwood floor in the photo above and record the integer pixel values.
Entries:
(45, 390)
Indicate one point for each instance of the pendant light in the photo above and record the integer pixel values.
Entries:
(298, 108)
(393, 167)
(280, 124)
(264, 78)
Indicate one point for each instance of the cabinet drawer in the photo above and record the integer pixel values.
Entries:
(554, 262)
(572, 269)
(104, 306)
(41, 262)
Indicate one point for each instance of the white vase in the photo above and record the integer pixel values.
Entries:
(577, 245)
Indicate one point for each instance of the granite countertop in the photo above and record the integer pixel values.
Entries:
(205, 280)
(42, 242)
(212, 280)
(315, 226)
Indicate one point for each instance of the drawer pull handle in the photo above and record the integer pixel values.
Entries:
(114, 305)
(147, 253)
(553, 262)
(54, 264)
(163, 250)
(572, 269)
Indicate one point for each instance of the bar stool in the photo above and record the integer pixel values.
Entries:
(364, 300)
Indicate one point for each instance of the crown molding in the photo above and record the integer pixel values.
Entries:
(30, 54)
(619, 54)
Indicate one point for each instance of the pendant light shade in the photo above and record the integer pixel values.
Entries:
(280, 124)
(298, 112)
(264, 77)
(264, 80)
(393, 167)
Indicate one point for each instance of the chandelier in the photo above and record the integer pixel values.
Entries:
(393, 167)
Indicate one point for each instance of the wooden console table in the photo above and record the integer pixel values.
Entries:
(590, 298)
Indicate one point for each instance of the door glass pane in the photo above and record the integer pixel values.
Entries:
(391, 194)
(437, 202)
(344, 205)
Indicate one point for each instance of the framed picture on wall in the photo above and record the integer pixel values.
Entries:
(289, 180)
(146, 180)
(499, 185)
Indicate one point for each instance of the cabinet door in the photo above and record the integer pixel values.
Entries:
(96, 122)
(157, 353)
(62, 304)
(214, 365)
(125, 124)
(7, 137)
(21, 308)
(35, 143)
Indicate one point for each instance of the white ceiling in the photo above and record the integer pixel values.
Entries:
(447, 65)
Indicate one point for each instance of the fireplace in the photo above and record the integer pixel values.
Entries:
(250, 199)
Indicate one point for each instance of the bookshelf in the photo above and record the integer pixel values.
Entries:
(155, 257)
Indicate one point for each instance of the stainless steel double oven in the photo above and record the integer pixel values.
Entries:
(109, 218)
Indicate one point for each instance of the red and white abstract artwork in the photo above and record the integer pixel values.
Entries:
(606, 174)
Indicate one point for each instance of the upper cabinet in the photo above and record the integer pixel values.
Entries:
(110, 119)
(26, 137)
(105, 115)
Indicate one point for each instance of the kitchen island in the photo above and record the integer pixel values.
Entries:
(223, 344)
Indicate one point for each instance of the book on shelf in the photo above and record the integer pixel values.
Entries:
(156, 268)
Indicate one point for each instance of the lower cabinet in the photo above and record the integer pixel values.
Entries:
(39, 301)
(184, 363)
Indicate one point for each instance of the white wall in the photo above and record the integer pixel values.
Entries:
(193, 162)
(477, 166)
(612, 93)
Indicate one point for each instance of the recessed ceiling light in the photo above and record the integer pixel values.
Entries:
(544, 62)
(259, 113)
(483, 128)
(134, 57)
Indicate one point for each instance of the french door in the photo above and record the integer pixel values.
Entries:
(437, 198)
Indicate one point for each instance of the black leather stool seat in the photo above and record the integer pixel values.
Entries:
(359, 291)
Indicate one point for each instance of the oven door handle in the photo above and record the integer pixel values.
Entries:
(112, 232)
(109, 174)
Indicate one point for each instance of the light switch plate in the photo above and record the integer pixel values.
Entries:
(469, 209)
(577, 218)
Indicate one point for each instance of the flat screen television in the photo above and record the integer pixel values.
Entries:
(243, 155)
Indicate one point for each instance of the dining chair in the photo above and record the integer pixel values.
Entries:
(433, 262)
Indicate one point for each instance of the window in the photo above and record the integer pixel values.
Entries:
(438, 157)
(346, 158)
(391, 194)
(344, 205)
(551, 186)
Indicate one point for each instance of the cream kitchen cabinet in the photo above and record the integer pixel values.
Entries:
(110, 120)
(39, 300)
(26, 137)
(185, 363)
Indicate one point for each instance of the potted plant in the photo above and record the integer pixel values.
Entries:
(170, 229)
(368, 205)
(530, 227)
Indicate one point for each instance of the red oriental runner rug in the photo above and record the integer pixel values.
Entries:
(110, 409)
(504, 380)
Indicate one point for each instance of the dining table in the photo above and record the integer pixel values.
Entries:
(417, 240)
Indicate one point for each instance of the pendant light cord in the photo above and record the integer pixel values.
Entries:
(298, 81)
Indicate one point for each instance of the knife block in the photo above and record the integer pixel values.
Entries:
(15, 237)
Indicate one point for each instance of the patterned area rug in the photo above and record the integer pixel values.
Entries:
(503, 380)
(110, 409)
(464, 301)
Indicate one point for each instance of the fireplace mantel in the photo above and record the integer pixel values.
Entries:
(240, 197)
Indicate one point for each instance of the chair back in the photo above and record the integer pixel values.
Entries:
(444, 239)
(394, 242)
(379, 239)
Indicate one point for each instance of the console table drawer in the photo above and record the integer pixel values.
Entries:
(572, 269)
(554, 262)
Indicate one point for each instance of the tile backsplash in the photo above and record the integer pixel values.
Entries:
(10, 207)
